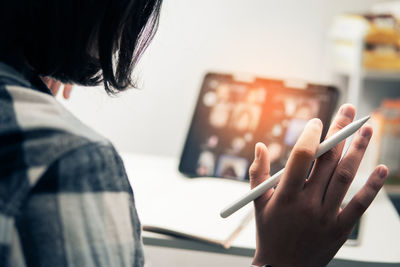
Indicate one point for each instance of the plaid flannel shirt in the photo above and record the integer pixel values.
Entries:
(65, 199)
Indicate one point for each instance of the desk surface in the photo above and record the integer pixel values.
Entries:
(379, 233)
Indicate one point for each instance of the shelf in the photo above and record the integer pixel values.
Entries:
(393, 190)
(382, 75)
(386, 75)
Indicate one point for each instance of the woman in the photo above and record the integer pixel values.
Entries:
(64, 196)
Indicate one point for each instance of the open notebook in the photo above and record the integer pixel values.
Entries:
(169, 203)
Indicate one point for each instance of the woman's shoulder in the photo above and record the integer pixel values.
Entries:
(42, 127)
(37, 132)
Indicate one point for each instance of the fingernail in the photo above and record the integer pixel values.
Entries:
(383, 172)
(316, 122)
(365, 132)
(347, 111)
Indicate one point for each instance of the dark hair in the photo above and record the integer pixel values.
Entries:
(80, 41)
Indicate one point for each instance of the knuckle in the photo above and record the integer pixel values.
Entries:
(256, 172)
(253, 170)
(374, 186)
(361, 144)
(342, 122)
(359, 205)
(344, 175)
(332, 155)
(304, 152)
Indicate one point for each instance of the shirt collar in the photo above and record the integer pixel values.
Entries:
(23, 74)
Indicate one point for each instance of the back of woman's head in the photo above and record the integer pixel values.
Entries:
(80, 41)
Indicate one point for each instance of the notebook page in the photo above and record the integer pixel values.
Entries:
(166, 199)
(192, 207)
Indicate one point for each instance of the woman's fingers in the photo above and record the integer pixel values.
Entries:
(55, 86)
(301, 158)
(346, 170)
(259, 171)
(361, 201)
(67, 90)
(326, 164)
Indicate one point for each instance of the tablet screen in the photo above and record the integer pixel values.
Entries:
(231, 116)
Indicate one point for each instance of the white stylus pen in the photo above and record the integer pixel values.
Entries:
(324, 147)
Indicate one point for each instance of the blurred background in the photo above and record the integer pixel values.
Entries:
(351, 44)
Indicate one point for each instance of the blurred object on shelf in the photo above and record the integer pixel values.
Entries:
(386, 121)
(381, 50)
(371, 40)
(383, 29)
(382, 57)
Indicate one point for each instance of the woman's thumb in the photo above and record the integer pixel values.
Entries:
(259, 169)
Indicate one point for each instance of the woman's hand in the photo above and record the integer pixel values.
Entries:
(55, 86)
(300, 223)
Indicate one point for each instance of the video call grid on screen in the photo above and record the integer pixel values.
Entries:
(231, 116)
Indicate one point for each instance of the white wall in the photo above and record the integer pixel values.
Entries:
(284, 38)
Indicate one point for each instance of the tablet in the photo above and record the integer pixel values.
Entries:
(233, 114)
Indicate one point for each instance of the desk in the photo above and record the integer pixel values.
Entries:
(379, 233)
